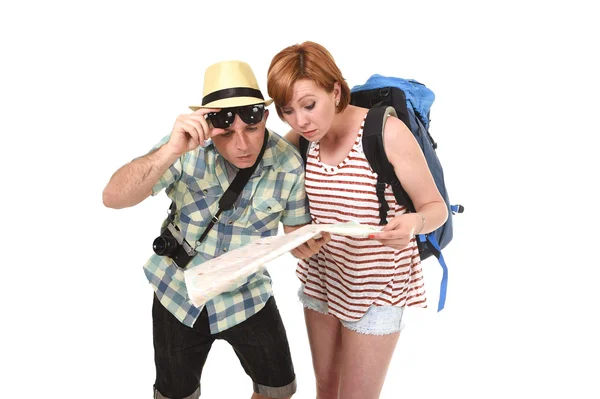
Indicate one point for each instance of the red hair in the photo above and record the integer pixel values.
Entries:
(308, 60)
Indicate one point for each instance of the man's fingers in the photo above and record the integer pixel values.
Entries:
(324, 239)
(296, 254)
(313, 245)
(204, 111)
(206, 133)
(194, 130)
(302, 252)
(216, 131)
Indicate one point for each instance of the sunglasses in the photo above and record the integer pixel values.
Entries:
(249, 114)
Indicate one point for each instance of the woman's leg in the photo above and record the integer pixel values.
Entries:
(365, 360)
(324, 336)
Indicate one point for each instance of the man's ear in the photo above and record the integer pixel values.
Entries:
(266, 115)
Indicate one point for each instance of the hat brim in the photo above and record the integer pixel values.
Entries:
(232, 102)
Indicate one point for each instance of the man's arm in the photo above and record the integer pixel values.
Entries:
(133, 182)
(310, 247)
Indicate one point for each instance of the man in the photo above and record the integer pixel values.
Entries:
(196, 164)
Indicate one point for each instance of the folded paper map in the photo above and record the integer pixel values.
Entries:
(233, 269)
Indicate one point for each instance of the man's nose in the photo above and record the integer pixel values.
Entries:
(242, 141)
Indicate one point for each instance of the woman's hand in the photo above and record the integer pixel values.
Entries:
(399, 231)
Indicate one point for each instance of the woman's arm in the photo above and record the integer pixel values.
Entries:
(410, 166)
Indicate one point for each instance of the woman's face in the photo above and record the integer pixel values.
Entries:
(311, 110)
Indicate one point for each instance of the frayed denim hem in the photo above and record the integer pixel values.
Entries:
(353, 327)
(378, 320)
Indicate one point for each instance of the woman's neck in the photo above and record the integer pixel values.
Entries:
(343, 124)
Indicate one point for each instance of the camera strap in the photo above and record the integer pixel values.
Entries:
(235, 188)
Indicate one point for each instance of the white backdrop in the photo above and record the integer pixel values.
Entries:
(87, 86)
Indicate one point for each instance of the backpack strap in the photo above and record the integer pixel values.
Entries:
(303, 145)
(434, 247)
(375, 153)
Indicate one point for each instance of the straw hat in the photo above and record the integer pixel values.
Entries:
(230, 84)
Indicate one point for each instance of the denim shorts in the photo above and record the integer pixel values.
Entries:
(378, 320)
(260, 343)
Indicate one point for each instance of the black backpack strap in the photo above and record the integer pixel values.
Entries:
(375, 153)
(235, 188)
(303, 145)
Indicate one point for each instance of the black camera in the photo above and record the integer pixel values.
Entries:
(172, 244)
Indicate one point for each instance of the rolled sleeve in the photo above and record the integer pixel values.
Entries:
(171, 175)
(296, 211)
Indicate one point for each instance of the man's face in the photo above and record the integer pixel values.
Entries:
(240, 143)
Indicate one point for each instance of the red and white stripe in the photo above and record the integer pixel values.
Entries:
(351, 273)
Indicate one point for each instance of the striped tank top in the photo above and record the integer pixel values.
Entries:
(351, 273)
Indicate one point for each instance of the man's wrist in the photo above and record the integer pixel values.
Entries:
(166, 154)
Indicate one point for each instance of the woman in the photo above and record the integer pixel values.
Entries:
(355, 289)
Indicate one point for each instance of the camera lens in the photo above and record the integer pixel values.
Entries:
(164, 245)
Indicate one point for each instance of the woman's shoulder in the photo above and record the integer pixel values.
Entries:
(285, 154)
(396, 130)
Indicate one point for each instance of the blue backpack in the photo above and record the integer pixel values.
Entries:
(410, 101)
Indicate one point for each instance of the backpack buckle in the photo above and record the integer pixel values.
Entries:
(384, 92)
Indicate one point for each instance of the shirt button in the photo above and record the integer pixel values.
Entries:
(197, 242)
(224, 249)
(230, 222)
(205, 191)
(268, 208)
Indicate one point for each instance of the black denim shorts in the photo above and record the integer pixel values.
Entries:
(259, 342)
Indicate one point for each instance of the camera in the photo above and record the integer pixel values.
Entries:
(172, 244)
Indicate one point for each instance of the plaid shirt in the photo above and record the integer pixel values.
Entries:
(196, 182)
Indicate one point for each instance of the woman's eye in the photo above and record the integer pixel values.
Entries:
(311, 106)
(286, 112)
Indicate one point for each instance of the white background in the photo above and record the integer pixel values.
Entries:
(87, 86)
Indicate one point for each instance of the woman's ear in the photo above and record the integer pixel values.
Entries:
(337, 90)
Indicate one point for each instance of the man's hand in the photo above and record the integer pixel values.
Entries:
(191, 131)
(311, 247)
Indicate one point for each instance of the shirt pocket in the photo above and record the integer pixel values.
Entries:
(265, 214)
(200, 200)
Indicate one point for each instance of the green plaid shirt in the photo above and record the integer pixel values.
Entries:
(196, 182)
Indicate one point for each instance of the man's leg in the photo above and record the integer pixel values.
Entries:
(261, 344)
(179, 354)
